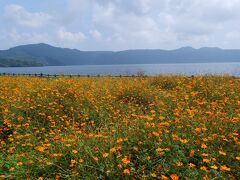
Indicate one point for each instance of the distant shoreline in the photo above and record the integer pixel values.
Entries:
(180, 63)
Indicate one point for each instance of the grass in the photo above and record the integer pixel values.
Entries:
(166, 127)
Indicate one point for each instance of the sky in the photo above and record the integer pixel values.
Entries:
(121, 24)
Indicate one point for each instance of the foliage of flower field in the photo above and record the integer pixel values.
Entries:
(168, 127)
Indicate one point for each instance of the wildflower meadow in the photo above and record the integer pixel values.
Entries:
(164, 127)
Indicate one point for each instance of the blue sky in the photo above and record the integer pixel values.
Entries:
(121, 24)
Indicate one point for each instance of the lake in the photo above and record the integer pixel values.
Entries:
(132, 69)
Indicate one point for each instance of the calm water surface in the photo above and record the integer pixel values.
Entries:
(132, 69)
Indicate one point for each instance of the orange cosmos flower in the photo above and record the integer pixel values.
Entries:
(179, 164)
(206, 160)
(80, 160)
(154, 175)
(184, 141)
(197, 130)
(164, 177)
(126, 171)
(114, 149)
(11, 169)
(72, 163)
(95, 158)
(224, 168)
(126, 160)
(204, 146)
(174, 177)
(191, 165)
(40, 148)
(120, 140)
(203, 168)
(191, 154)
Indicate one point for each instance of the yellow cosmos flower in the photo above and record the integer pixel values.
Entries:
(105, 155)
(19, 164)
(161, 117)
(222, 153)
(74, 151)
(214, 167)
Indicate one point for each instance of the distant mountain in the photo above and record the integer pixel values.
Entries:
(46, 55)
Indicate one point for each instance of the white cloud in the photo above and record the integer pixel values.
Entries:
(129, 30)
(96, 34)
(13, 37)
(21, 16)
(70, 37)
(165, 23)
(121, 24)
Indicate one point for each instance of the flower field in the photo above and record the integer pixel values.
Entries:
(166, 127)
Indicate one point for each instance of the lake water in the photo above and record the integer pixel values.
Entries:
(132, 69)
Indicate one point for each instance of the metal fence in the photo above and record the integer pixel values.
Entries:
(64, 75)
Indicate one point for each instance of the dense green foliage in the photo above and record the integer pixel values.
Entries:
(4, 62)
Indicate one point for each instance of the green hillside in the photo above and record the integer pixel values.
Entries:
(4, 62)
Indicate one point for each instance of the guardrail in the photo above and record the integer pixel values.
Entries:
(80, 75)
(64, 75)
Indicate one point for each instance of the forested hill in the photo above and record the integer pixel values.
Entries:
(46, 55)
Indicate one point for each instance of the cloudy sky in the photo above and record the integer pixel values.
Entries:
(121, 24)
